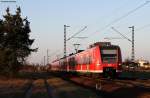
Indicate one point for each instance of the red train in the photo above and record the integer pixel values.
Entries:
(101, 58)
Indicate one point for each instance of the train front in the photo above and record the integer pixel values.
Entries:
(111, 60)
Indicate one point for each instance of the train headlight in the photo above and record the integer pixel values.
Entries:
(98, 64)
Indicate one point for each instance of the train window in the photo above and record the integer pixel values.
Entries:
(109, 52)
(80, 60)
(87, 60)
(84, 60)
(62, 63)
(109, 55)
(72, 61)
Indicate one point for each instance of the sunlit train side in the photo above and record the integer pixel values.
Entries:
(101, 58)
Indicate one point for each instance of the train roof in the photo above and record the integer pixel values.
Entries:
(101, 44)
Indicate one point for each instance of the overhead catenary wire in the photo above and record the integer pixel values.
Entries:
(120, 18)
(116, 20)
(6, 1)
(111, 23)
(140, 28)
(143, 27)
(111, 13)
(76, 33)
(109, 38)
(55, 53)
(121, 34)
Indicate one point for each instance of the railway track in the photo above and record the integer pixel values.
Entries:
(133, 83)
(113, 88)
(104, 87)
(27, 93)
(99, 83)
(55, 87)
(38, 87)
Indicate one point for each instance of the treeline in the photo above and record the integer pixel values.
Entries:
(15, 44)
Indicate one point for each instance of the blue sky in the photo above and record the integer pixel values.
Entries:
(47, 18)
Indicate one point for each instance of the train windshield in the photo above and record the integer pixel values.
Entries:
(109, 55)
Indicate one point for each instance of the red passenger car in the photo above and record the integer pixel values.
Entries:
(100, 58)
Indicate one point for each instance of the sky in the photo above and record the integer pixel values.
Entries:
(48, 17)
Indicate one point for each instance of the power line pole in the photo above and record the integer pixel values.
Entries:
(130, 40)
(133, 54)
(65, 26)
(44, 60)
(73, 36)
(47, 56)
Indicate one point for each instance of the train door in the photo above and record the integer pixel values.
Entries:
(72, 63)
